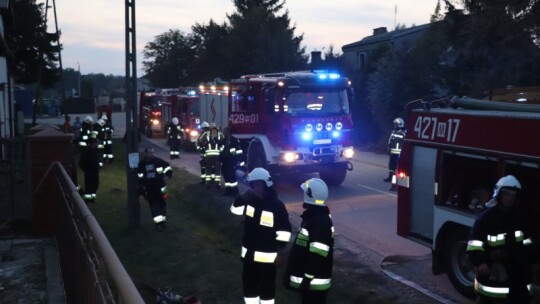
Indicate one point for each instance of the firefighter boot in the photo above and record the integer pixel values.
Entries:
(389, 178)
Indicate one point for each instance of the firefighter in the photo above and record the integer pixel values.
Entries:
(230, 159)
(266, 230)
(89, 161)
(309, 267)
(98, 132)
(501, 249)
(175, 133)
(395, 142)
(212, 142)
(108, 129)
(205, 127)
(151, 172)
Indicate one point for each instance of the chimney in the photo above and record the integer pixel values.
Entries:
(379, 30)
(316, 59)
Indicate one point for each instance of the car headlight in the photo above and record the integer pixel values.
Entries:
(348, 152)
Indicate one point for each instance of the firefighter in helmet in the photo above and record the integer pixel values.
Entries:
(212, 142)
(309, 267)
(500, 247)
(151, 172)
(205, 127)
(89, 161)
(230, 159)
(395, 142)
(108, 130)
(175, 133)
(266, 230)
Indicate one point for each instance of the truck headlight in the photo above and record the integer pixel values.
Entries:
(194, 133)
(155, 122)
(348, 152)
(290, 157)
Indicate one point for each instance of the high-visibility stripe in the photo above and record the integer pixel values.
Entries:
(519, 236)
(158, 219)
(271, 301)
(83, 144)
(237, 210)
(250, 211)
(527, 242)
(264, 257)
(497, 240)
(251, 300)
(492, 292)
(239, 152)
(473, 245)
(283, 236)
(244, 251)
(140, 175)
(319, 248)
(320, 284)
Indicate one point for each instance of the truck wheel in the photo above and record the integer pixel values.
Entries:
(333, 176)
(256, 157)
(459, 269)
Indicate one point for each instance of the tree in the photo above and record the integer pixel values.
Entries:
(32, 46)
(168, 58)
(263, 40)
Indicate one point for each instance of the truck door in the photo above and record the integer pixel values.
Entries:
(422, 192)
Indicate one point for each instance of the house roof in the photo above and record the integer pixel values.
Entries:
(387, 36)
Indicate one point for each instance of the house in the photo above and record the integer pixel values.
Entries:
(356, 54)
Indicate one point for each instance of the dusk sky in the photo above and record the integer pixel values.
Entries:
(93, 32)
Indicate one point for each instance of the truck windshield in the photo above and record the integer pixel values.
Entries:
(316, 102)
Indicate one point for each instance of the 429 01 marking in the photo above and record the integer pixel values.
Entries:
(431, 128)
(239, 118)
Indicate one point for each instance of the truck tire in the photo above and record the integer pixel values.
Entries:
(333, 175)
(459, 269)
(255, 157)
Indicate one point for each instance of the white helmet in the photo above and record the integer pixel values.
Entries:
(260, 174)
(508, 181)
(88, 119)
(104, 117)
(101, 122)
(175, 121)
(315, 192)
(205, 125)
(399, 122)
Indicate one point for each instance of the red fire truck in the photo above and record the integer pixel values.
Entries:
(184, 106)
(453, 154)
(150, 120)
(287, 122)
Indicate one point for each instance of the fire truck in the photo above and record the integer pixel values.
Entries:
(453, 154)
(184, 106)
(287, 122)
(150, 120)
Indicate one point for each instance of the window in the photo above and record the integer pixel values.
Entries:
(244, 98)
(466, 181)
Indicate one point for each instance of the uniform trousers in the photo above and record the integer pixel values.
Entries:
(259, 280)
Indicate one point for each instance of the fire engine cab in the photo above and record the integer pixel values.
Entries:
(150, 120)
(184, 105)
(287, 122)
(453, 154)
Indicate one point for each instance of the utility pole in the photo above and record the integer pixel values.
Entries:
(132, 128)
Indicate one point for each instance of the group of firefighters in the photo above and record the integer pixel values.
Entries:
(500, 245)
(221, 154)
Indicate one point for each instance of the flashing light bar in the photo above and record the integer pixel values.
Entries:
(324, 76)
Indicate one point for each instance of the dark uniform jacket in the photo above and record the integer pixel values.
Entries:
(312, 252)
(175, 132)
(151, 173)
(395, 142)
(501, 237)
(232, 151)
(266, 226)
